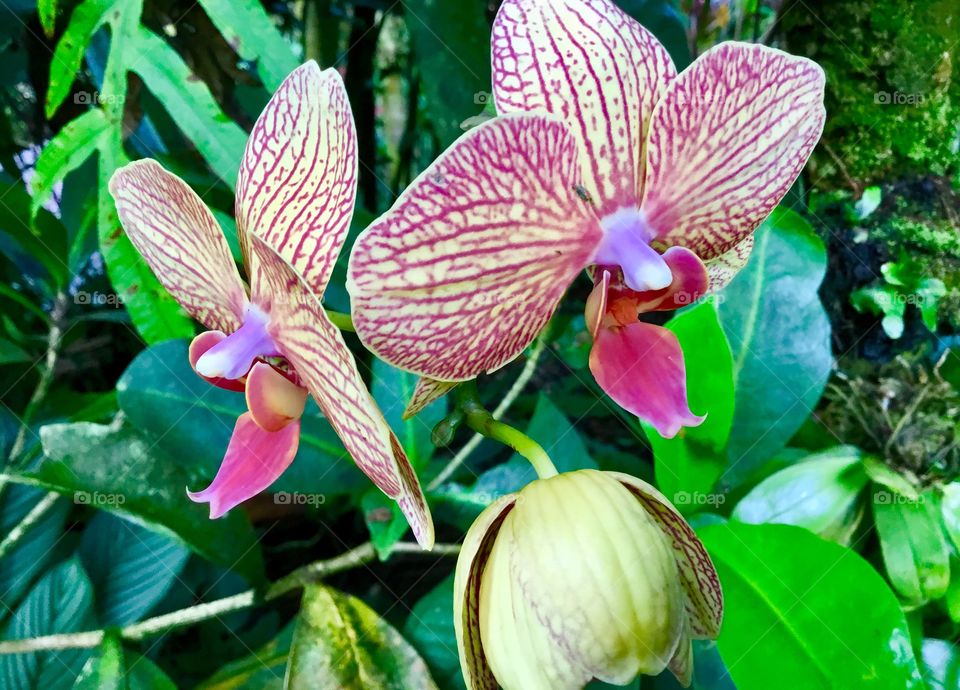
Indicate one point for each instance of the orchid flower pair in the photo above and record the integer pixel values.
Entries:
(603, 157)
(273, 341)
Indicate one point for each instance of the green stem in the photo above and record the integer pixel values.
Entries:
(342, 321)
(481, 421)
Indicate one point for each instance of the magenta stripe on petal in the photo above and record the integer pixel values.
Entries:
(469, 264)
(640, 367)
(255, 459)
(728, 139)
(722, 269)
(298, 179)
(425, 392)
(316, 350)
(589, 63)
(179, 238)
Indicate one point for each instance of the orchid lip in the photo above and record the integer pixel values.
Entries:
(233, 356)
(626, 243)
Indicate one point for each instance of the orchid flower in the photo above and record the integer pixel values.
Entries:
(295, 198)
(602, 157)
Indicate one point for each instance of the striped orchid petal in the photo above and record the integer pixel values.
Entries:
(425, 392)
(316, 350)
(598, 69)
(469, 264)
(466, 593)
(681, 664)
(704, 597)
(298, 179)
(182, 243)
(728, 138)
(722, 269)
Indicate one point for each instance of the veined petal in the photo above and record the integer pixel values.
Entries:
(425, 392)
(316, 350)
(298, 179)
(180, 240)
(700, 581)
(681, 665)
(690, 282)
(640, 366)
(273, 399)
(466, 593)
(728, 138)
(255, 459)
(591, 64)
(596, 307)
(199, 346)
(722, 269)
(469, 264)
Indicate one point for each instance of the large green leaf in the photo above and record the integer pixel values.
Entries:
(821, 492)
(392, 388)
(130, 566)
(950, 506)
(452, 46)
(430, 630)
(34, 550)
(263, 669)
(115, 468)
(61, 602)
(688, 465)
(780, 338)
(914, 549)
(43, 241)
(802, 612)
(251, 32)
(188, 418)
(341, 643)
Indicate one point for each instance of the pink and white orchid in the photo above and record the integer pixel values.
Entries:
(604, 157)
(295, 198)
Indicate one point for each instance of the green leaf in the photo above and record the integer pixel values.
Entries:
(68, 150)
(188, 418)
(131, 567)
(914, 549)
(688, 465)
(884, 475)
(47, 10)
(882, 299)
(341, 643)
(392, 389)
(451, 42)
(869, 202)
(105, 671)
(61, 602)
(219, 139)
(11, 354)
(252, 34)
(143, 674)
(430, 630)
(805, 611)
(86, 19)
(34, 551)
(264, 669)
(941, 665)
(43, 241)
(116, 469)
(821, 493)
(384, 519)
(950, 507)
(779, 335)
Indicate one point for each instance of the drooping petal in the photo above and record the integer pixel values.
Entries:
(700, 581)
(181, 241)
(723, 268)
(728, 138)
(273, 399)
(316, 350)
(591, 64)
(202, 343)
(255, 458)
(681, 665)
(640, 367)
(425, 392)
(298, 179)
(469, 264)
(466, 593)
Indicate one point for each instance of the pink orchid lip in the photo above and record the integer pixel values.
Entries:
(273, 399)
(626, 244)
(233, 356)
(198, 347)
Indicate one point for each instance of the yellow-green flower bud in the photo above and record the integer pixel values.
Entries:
(580, 576)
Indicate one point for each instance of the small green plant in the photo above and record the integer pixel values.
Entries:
(904, 284)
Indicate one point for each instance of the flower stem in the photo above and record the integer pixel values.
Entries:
(481, 421)
(342, 321)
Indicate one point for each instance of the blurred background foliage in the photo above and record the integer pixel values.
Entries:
(824, 481)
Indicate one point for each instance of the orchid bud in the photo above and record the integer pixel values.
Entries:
(585, 575)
